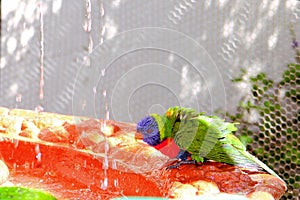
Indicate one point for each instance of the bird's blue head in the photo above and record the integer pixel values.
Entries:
(148, 127)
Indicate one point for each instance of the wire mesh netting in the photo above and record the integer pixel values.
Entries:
(124, 59)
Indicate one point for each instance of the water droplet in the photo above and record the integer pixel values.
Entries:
(39, 157)
(86, 61)
(114, 164)
(101, 41)
(83, 104)
(37, 148)
(116, 182)
(15, 166)
(38, 153)
(103, 72)
(88, 23)
(102, 24)
(105, 163)
(26, 165)
(101, 10)
(94, 90)
(90, 47)
(19, 98)
(107, 115)
(103, 126)
(104, 93)
(16, 143)
(106, 146)
(104, 184)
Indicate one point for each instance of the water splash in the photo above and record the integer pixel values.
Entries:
(38, 155)
(38, 109)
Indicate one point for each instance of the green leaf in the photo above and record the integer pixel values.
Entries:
(16, 193)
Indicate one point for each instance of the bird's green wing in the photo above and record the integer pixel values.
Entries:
(212, 138)
(197, 135)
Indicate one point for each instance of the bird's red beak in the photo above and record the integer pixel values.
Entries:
(138, 136)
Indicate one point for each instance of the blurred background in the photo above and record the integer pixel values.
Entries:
(123, 59)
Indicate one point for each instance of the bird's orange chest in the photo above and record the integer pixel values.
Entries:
(168, 147)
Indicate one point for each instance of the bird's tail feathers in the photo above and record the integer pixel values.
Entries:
(263, 165)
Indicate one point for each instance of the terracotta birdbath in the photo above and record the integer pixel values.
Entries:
(77, 158)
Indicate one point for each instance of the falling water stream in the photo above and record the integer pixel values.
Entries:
(39, 108)
(88, 28)
(104, 183)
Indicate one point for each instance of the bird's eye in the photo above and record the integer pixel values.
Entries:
(149, 130)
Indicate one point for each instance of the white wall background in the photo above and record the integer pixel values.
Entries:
(139, 56)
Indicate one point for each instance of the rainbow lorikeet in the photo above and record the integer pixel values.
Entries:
(198, 137)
